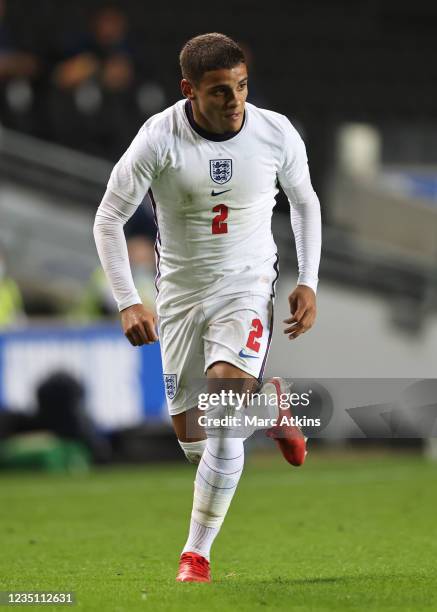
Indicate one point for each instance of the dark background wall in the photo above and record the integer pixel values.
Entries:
(361, 59)
(321, 63)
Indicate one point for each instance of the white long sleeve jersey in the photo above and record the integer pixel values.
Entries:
(213, 198)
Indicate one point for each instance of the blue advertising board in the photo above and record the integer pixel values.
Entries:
(123, 384)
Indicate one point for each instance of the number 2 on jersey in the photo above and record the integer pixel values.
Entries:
(257, 332)
(219, 225)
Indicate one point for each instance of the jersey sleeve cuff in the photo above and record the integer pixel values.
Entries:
(312, 283)
(135, 299)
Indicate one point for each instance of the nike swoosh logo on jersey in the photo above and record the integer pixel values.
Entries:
(216, 193)
(246, 356)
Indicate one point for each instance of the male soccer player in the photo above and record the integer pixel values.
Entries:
(211, 163)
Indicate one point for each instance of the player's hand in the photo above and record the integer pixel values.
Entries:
(138, 325)
(303, 311)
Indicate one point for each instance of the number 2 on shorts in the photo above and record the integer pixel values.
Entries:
(256, 332)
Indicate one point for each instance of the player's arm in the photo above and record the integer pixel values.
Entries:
(129, 182)
(306, 225)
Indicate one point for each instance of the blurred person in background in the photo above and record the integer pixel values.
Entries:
(98, 76)
(94, 53)
(141, 252)
(18, 71)
(98, 301)
(11, 302)
(60, 411)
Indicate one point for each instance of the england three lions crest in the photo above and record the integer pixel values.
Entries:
(171, 385)
(220, 170)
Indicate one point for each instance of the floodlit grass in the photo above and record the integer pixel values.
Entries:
(350, 533)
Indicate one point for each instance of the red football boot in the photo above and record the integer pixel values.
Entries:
(289, 438)
(193, 568)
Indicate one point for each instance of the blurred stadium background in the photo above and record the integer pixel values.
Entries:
(77, 80)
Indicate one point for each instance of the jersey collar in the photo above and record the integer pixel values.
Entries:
(204, 133)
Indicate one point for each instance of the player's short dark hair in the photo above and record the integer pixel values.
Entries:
(206, 52)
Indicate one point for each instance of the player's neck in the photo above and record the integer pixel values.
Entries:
(201, 126)
(203, 122)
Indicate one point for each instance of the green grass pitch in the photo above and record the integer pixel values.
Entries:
(357, 532)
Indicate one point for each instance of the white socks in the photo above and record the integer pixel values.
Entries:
(220, 467)
(216, 481)
(200, 539)
(193, 450)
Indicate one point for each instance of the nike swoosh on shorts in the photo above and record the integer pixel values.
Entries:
(245, 356)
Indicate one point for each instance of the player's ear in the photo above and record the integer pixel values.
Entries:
(187, 89)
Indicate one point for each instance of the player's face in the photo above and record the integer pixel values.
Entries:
(218, 100)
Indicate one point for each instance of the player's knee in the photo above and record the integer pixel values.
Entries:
(193, 450)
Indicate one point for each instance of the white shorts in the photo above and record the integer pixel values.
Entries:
(237, 330)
